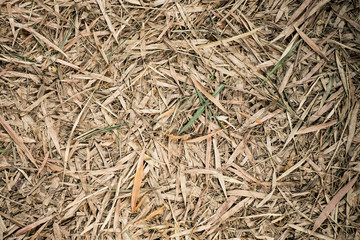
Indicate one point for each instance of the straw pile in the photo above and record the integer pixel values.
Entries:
(165, 119)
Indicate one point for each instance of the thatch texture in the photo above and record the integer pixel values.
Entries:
(165, 119)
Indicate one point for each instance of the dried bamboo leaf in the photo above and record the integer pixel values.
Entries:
(33, 225)
(107, 19)
(298, 11)
(218, 166)
(352, 125)
(128, 66)
(45, 40)
(199, 139)
(332, 204)
(311, 43)
(316, 127)
(17, 140)
(137, 181)
(36, 103)
(227, 40)
(156, 212)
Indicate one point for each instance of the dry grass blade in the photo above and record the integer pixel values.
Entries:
(140, 203)
(299, 10)
(43, 163)
(67, 154)
(222, 209)
(352, 22)
(137, 181)
(232, 211)
(291, 169)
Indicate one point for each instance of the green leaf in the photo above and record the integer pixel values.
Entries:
(99, 131)
(22, 57)
(200, 110)
(131, 34)
(129, 235)
(283, 59)
(327, 91)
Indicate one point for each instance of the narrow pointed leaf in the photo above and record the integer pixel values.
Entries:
(332, 204)
(137, 181)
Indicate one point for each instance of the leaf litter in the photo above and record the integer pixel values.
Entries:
(105, 107)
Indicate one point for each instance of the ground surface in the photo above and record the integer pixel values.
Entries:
(171, 119)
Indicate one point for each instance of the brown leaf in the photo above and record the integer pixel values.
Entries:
(332, 204)
(298, 11)
(137, 181)
(226, 40)
(176, 137)
(32, 226)
(248, 116)
(156, 212)
(316, 127)
(140, 203)
(311, 43)
(199, 139)
(218, 166)
(36, 103)
(17, 139)
(352, 126)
